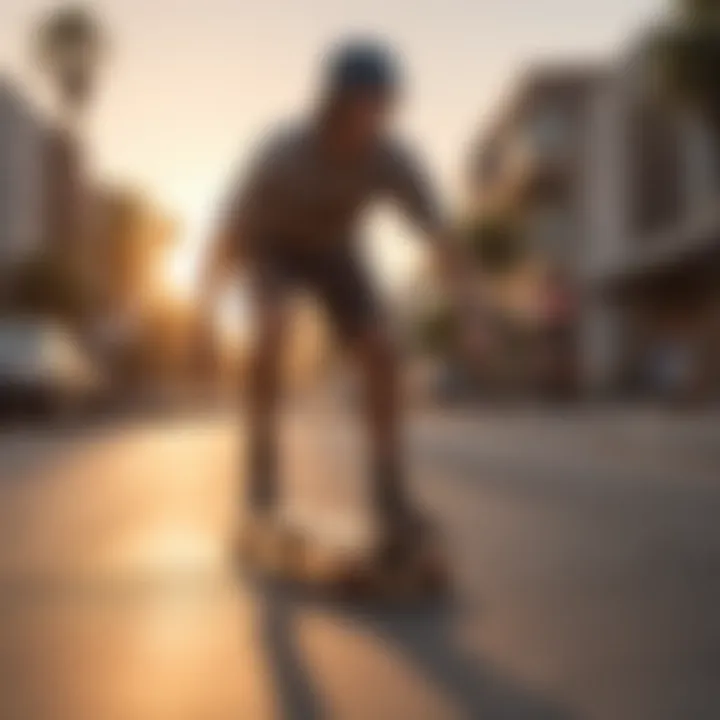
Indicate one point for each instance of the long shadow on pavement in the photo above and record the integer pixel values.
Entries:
(422, 635)
(293, 686)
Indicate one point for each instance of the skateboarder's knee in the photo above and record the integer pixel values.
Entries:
(379, 355)
(266, 351)
(269, 331)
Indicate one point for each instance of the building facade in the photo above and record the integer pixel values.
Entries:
(532, 169)
(42, 206)
(652, 267)
(22, 156)
(66, 194)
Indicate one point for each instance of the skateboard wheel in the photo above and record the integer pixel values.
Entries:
(247, 547)
(354, 587)
(294, 554)
(424, 573)
(351, 578)
(435, 579)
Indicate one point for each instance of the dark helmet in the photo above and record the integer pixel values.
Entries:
(362, 66)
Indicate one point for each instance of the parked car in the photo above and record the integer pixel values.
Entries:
(44, 371)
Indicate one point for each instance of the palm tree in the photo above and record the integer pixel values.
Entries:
(69, 45)
(688, 58)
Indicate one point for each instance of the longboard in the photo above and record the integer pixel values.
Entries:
(340, 553)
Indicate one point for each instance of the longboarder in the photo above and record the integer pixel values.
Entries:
(293, 223)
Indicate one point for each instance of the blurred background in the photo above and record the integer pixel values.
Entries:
(583, 178)
(572, 449)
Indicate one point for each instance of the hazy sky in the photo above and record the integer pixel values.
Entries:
(192, 82)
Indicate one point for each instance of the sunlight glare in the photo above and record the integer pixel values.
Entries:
(183, 269)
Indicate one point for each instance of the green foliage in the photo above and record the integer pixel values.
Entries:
(687, 57)
(497, 244)
(132, 230)
(699, 11)
(436, 329)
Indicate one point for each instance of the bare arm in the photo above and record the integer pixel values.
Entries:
(230, 247)
(409, 185)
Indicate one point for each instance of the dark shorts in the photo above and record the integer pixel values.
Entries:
(335, 277)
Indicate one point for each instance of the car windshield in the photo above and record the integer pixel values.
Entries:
(36, 348)
(20, 346)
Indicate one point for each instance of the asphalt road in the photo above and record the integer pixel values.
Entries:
(586, 550)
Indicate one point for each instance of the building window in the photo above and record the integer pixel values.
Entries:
(656, 171)
(549, 131)
(551, 233)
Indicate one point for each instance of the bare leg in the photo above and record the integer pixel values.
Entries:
(263, 396)
(379, 368)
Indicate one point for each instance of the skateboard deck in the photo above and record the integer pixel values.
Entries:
(340, 553)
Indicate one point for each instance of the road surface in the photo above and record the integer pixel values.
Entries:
(586, 549)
